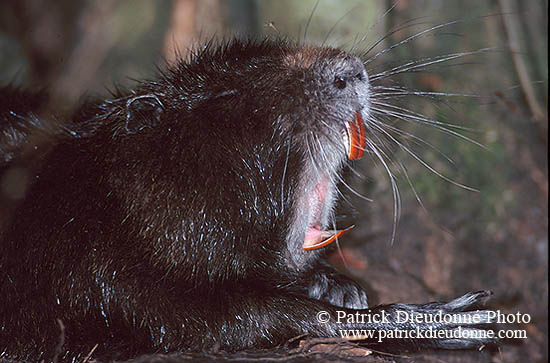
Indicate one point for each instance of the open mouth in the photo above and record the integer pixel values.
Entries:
(355, 141)
(316, 238)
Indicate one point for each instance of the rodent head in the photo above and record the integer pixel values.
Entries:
(309, 104)
(303, 92)
(328, 122)
(257, 134)
(333, 89)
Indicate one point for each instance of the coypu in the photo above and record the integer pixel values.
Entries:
(188, 212)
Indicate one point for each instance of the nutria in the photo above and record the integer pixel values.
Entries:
(189, 212)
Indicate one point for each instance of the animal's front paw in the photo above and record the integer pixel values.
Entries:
(455, 324)
(338, 290)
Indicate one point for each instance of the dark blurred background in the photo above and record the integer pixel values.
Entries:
(456, 240)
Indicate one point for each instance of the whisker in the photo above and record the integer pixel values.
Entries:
(405, 25)
(408, 39)
(406, 116)
(309, 146)
(309, 20)
(394, 92)
(395, 190)
(353, 49)
(417, 140)
(425, 62)
(284, 176)
(415, 116)
(336, 24)
(409, 181)
(422, 162)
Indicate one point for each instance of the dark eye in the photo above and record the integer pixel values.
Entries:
(339, 82)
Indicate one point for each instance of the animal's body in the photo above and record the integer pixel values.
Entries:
(174, 216)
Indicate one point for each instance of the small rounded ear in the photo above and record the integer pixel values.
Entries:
(142, 112)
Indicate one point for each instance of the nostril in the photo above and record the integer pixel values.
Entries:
(359, 76)
(358, 106)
